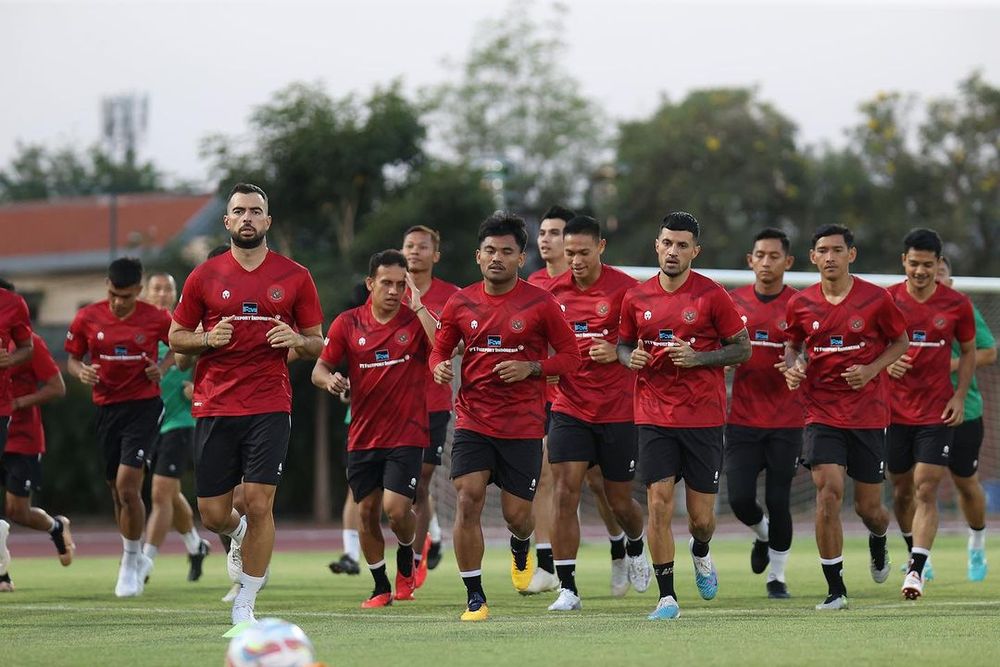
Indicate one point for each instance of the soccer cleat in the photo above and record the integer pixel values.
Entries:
(145, 568)
(913, 585)
(243, 613)
(195, 560)
(128, 584)
(378, 600)
(567, 601)
(63, 540)
(928, 573)
(666, 609)
(640, 572)
(345, 565)
(880, 575)
(234, 562)
(541, 581)
(977, 564)
(522, 578)
(759, 557)
(234, 590)
(705, 576)
(405, 587)
(619, 577)
(476, 609)
(777, 590)
(420, 573)
(433, 555)
(4, 552)
(6, 585)
(833, 603)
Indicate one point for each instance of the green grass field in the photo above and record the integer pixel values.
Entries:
(70, 617)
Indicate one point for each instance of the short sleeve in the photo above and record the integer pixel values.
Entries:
(728, 321)
(335, 345)
(76, 337)
(626, 322)
(191, 308)
(307, 310)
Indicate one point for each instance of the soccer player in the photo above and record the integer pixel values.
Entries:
(964, 458)
(255, 306)
(422, 249)
(678, 331)
(842, 333)
(386, 347)
(925, 406)
(551, 250)
(174, 449)
(120, 336)
(32, 384)
(507, 326)
(14, 326)
(764, 428)
(591, 419)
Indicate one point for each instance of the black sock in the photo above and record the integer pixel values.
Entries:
(876, 547)
(834, 574)
(917, 562)
(909, 541)
(473, 585)
(617, 547)
(544, 556)
(699, 548)
(567, 576)
(57, 536)
(56, 526)
(520, 549)
(381, 580)
(404, 559)
(633, 547)
(665, 578)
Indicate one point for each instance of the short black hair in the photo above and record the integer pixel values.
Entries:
(922, 238)
(385, 258)
(583, 224)
(558, 212)
(947, 262)
(774, 233)
(834, 230)
(247, 189)
(125, 272)
(217, 250)
(504, 223)
(7, 285)
(679, 221)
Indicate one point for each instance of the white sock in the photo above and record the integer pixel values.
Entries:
(192, 541)
(778, 561)
(239, 531)
(249, 587)
(761, 529)
(977, 538)
(150, 551)
(131, 546)
(434, 528)
(352, 543)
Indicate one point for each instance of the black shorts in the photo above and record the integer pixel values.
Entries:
(173, 453)
(964, 457)
(4, 423)
(395, 469)
(548, 417)
(21, 474)
(750, 450)
(909, 445)
(127, 432)
(611, 446)
(439, 435)
(860, 450)
(691, 454)
(249, 448)
(514, 464)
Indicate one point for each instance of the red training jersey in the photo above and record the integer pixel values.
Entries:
(835, 337)
(517, 326)
(387, 366)
(541, 278)
(247, 376)
(26, 435)
(14, 326)
(595, 393)
(121, 348)
(920, 396)
(761, 398)
(700, 312)
(438, 395)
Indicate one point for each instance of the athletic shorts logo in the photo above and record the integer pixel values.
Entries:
(666, 335)
(281, 467)
(403, 337)
(689, 315)
(440, 450)
(517, 325)
(225, 294)
(413, 482)
(760, 335)
(140, 339)
(362, 341)
(648, 315)
(474, 324)
(631, 465)
(533, 483)
(837, 341)
(603, 308)
(381, 355)
(944, 452)
(857, 324)
(494, 341)
(581, 327)
(940, 321)
(139, 454)
(249, 307)
(919, 336)
(121, 350)
(275, 293)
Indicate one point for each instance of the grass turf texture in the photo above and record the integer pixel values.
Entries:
(69, 616)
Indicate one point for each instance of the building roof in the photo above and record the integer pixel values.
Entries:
(75, 234)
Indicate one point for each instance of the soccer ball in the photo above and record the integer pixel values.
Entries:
(271, 642)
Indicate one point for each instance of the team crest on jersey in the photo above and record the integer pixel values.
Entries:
(517, 325)
(403, 337)
(250, 308)
(760, 335)
(648, 315)
(603, 308)
(940, 321)
(140, 338)
(275, 293)
(362, 341)
(381, 355)
(581, 327)
(494, 341)
(782, 325)
(857, 324)
(836, 341)
(666, 335)
(919, 336)
(225, 294)
(689, 315)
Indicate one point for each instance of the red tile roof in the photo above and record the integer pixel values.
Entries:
(81, 225)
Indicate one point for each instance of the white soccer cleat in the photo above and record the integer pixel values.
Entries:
(4, 552)
(833, 603)
(234, 562)
(880, 575)
(567, 601)
(666, 609)
(233, 592)
(541, 581)
(640, 572)
(913, 586)
(243, 613)
(145, 568)
(129, 584)
(619, 577)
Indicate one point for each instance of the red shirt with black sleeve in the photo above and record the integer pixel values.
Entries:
(26, 435)
(14, 326)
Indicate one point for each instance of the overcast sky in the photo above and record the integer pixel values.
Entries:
(205, 65)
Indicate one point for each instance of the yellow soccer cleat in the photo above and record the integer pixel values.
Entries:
(477, 609)
(522, 578)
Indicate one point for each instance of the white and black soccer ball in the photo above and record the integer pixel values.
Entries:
(271, 642)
